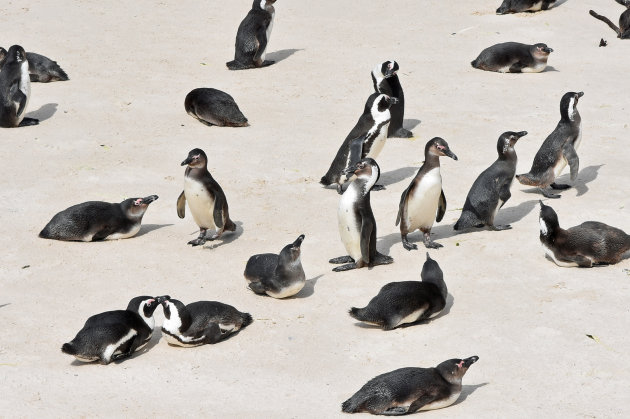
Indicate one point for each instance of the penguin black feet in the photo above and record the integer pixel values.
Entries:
(407, 245)
(402, 133)
(341, 259)
(267, 63)
(28, 122)
(501, 227)
(381, 259)
(347, 267)
(201, 240)
(350, 263)
(396, 411)
(430, 244)
(548, 194)
(559, 186)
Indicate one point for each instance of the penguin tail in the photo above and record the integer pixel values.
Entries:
(45, 233)
(67, 348)
(229, 225)
(363, 315)
(60, 74)
(474, 63)
(247, 319)
(351, 405)
(526, 179)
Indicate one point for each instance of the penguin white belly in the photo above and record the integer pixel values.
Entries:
(170, 329)
(184, 343)
(379, 142)
(83, 359)
(200, 202)
(560, 263)
(268, 35)
(350, 234)
(422, 205)
(559, 166)
(578, 140)
(116, 236)
(413, 317)
(442, 403)
(540, 66)
(113, 347)
(25, 87)
(536, 7)
(288, 291)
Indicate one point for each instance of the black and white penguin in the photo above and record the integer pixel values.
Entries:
(114, 335)
(252, 37)
(205, 197)
(357, 226)
(407, 390)
(41, 69)
(278, 276)
(214, 107)
(558, 149)
(406, 302)
(386, 81)
(590, 243)
(201, 322)
(366, 139)
(15, 89)
(97, 220)
(623, 30)
(518, 6)
(513, 57)
(491, 189)
(423, 202)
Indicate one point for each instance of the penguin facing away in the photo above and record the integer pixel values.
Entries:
(407, 390)
(97, 220)
(513, 57)
(114, 335)
(214, 107)
(491, 190)
(558, 149)
(590, 243)
(278, 276)
(41, 69)
(15, 89)
(357, 226)
(253, 36)
(200, 323)
(424, 197)
(386, 81)
(205, 197)
(623, 30)
(518, 6)
(406, 302)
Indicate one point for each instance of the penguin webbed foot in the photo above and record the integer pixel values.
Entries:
(501, 227)
(548, 194)
(378, 188)
(430, 244)
(407, 245)
(347, 267)
(257, 287)
(402, 133)
(559, 186)
(381, 259)
(197, 242)
(28, 122)
(396, 411)
(341, 259)
(267, 63)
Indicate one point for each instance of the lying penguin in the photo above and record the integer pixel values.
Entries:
(519, 6)
(214, 107)
(406, 302)
(41, 69)
(513, 57)
(623, 30)
(278, 276)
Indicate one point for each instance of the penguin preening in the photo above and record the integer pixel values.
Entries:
(205, 197)
(423, 202)
(407, 390)
(491, 190)
(214, 107)
(406, 302)
(623, 30)
(15, 89)
(558, 149)
(386, 81)
(41, 69)
(590, 243)
(114, 335)
(518, 6)
(513, 57)
(252, 37)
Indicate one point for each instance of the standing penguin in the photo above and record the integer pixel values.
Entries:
(407, 390)
(253, 36)
(518, 6)
(201, 322)
(278, 276)
(424, 196)
(590, 243)
(513, 57)
(623, 30)
(214, 107)
(357, 226)
(15, 89)
(114, 335)
(491, 189)
(366, 139)
(205, 197)
(406, 302)
(386, 81)
(558, 149)
(41, 69)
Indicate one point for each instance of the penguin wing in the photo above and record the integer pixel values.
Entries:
(572, 158)
(181, 205)
(402, 205)
(367, 226)
(220, 205)
(356, 150)
(441, 207)
(18, 98)
(261, 36)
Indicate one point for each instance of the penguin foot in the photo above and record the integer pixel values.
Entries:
(341, 259)
(28, 122)
(559, 186)
(409, 246)
(347, 267)
(197, 242)
(267, 63)
(340, 189)
(501, 227)
(378, 188)
(430, 244)
(382, 259)
(548, 194)
(396, 411)
(402, 133)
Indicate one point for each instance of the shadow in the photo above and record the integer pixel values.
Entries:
(586, 175)
(227, 237)
(467, 390)
(550, 68)
(43, 113)
(411, 123)
(155, 339)
(395, 176)
(147, 228)
(282, 54)
(558, 3)
(309, 288)
(4, 305)
(439, 232)
(514, 214)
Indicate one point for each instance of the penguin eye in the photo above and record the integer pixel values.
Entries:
(137, 201)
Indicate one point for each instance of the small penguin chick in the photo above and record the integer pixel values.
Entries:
(214, 107)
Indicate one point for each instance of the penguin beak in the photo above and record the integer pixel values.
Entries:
(449, 153)
(548, 50)
(148, 199)
(298, 242)
(163, 299)
(187, 161)
(469, 361)
(350, 170)
(580, 94)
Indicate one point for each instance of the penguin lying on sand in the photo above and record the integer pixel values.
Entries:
(513, 57)
(214, 107)
(518, 6)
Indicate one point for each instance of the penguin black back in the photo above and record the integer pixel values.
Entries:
(513, 57)
(214, 107)
(15, 89)
(252, 37)
(386, 81)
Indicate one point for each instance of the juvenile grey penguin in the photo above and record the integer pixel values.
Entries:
(518, 6)
(97, 220)
(357, 226)
(214, 107)
(623, 30)
(491, 190)
(513, 57)
(278, 276)
(590, 243)
(114, 335)
(15, 90)
(406, 302)
(205, 197)
(253, 36)
(201, 322)
(423, 202)
(41, 69)
(407, 390)
(386, 81)
(366, 139)
(558, 149)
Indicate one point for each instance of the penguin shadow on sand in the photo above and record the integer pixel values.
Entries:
(155, 339)
(282, 54)
(550, 68)
(43, 113)
(410, 124)
(309, 288)
(515, 214)
(147, 228)
(447, 308)
(467, 390)
(226, 238)
(585, 176)
(4, 305)
(395, 176)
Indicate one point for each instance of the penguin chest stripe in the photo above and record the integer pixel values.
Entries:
(113, 347)
(201, 203)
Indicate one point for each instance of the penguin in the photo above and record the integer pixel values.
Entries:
(278, 276)
(41, 69)
(205, 197)
(558, 149)
(114, 335)
(491, 189)
(253, 36)
(406, 302)
(590, 243)
(357, 226)
(214, 107)
(15, 90)
(424, 196)
(513, 57)
(201, 322)
(407, 390)
(386, 81)
(623, 31)
(97, 220)
(366, 139)
(518, 6)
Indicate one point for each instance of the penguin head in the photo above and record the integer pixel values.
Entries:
(568, 105)
(541, 51)
(170, 305)
(16, 54)
(143, 305)
(291, 251)
(136, 207)
(504, 8)
(196, 159)
(389, 68)
(454, 369)
(548, 220)
(431, 270)
(439, 147)
(263, 4)
(366, 169)
(507, 140)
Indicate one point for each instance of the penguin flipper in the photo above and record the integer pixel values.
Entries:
(402, 205)
(356, 150)
(441, 207)
(606, 21)
(262, 43)
(220, 206)
(181, 205)
(505, 194)
(367, 226)
(421, 401)
(572, 158)
(19, 98)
